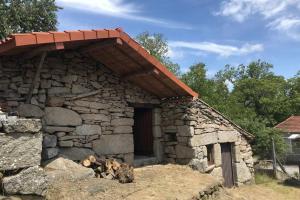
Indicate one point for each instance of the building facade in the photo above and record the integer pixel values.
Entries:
(99, 92)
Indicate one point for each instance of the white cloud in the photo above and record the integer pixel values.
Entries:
(290, 26)
(241, 9)
(280, 15)
(219, 49)
(120, 9)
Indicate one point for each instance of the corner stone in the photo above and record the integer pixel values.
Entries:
(20, 150)
(29, 181)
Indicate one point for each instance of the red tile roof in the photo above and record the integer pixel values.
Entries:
(290, 125)
(128, 58)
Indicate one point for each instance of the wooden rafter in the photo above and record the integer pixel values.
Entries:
(101, 44)
(44, 48)
(140, 73)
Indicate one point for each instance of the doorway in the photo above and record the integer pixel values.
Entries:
(142, 131)
(227, 168)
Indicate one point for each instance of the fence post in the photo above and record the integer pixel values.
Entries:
(274, 158)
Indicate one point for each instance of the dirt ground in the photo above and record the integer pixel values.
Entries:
(152, 182)
(272, 190)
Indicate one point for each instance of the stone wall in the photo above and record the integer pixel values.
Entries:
(74, 127)
(189, 126)
(20, 156)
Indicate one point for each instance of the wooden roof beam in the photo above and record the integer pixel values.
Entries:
(140, 73)
(101, 44)
(43, 48)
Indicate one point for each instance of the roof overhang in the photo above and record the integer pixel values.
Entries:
(113, 48)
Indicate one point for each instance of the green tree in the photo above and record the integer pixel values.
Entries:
(19, 16)
(259, 100)
(157, 46)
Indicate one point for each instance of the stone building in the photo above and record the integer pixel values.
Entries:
(99, 92)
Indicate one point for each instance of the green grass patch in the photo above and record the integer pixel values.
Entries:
(263, 178)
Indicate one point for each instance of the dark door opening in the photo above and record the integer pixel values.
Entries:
(142, 131)
(227, 168)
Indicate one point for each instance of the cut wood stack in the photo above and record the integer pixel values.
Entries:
(109, 169)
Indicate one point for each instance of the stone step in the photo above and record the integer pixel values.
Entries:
(140, 161)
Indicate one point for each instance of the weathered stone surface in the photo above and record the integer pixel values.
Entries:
(16, 125)
(64, 169)
(77, 89)
(184, 151)
(122, 129)
(204, 139)
(243, 172)
(217, 155)
(227, 136)
(113, 144)
(158, 150)
(49, 141)
(95, 105)
(122, 122)
(58, 116)
(129, 158)
(200, 165)
(29, 181)
(156, 116)
(58, 90)
(29, 110)
(157, 132)
(217, 173)
(185, 130)
(49, 153)
(95, 117)
(236, 153)
(53, 129)
(75, 153)
(66, 143)
(20, 150)
(55, 101)
(88, 130)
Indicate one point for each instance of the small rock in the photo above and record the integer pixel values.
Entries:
(49, 153)
(49, 141)
(55, 101)
(66, 143)
(62, 168)
(29, 181)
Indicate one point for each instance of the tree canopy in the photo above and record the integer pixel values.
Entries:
(19, 16)
(158, 47)
(257, 101)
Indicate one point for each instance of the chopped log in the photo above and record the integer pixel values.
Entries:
(86, 163)
(125, 173)
(109, 169)
(92, 159)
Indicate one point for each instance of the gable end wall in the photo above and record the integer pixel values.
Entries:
(195, 125)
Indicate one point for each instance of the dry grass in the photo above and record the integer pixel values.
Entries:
(265, 189)
(153, 182)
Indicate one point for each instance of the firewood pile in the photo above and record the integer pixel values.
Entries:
(109, 169)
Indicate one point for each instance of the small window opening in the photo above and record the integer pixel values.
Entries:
(210, 154)
(171, 137)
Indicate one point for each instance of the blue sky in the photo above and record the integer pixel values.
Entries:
(215, 32)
